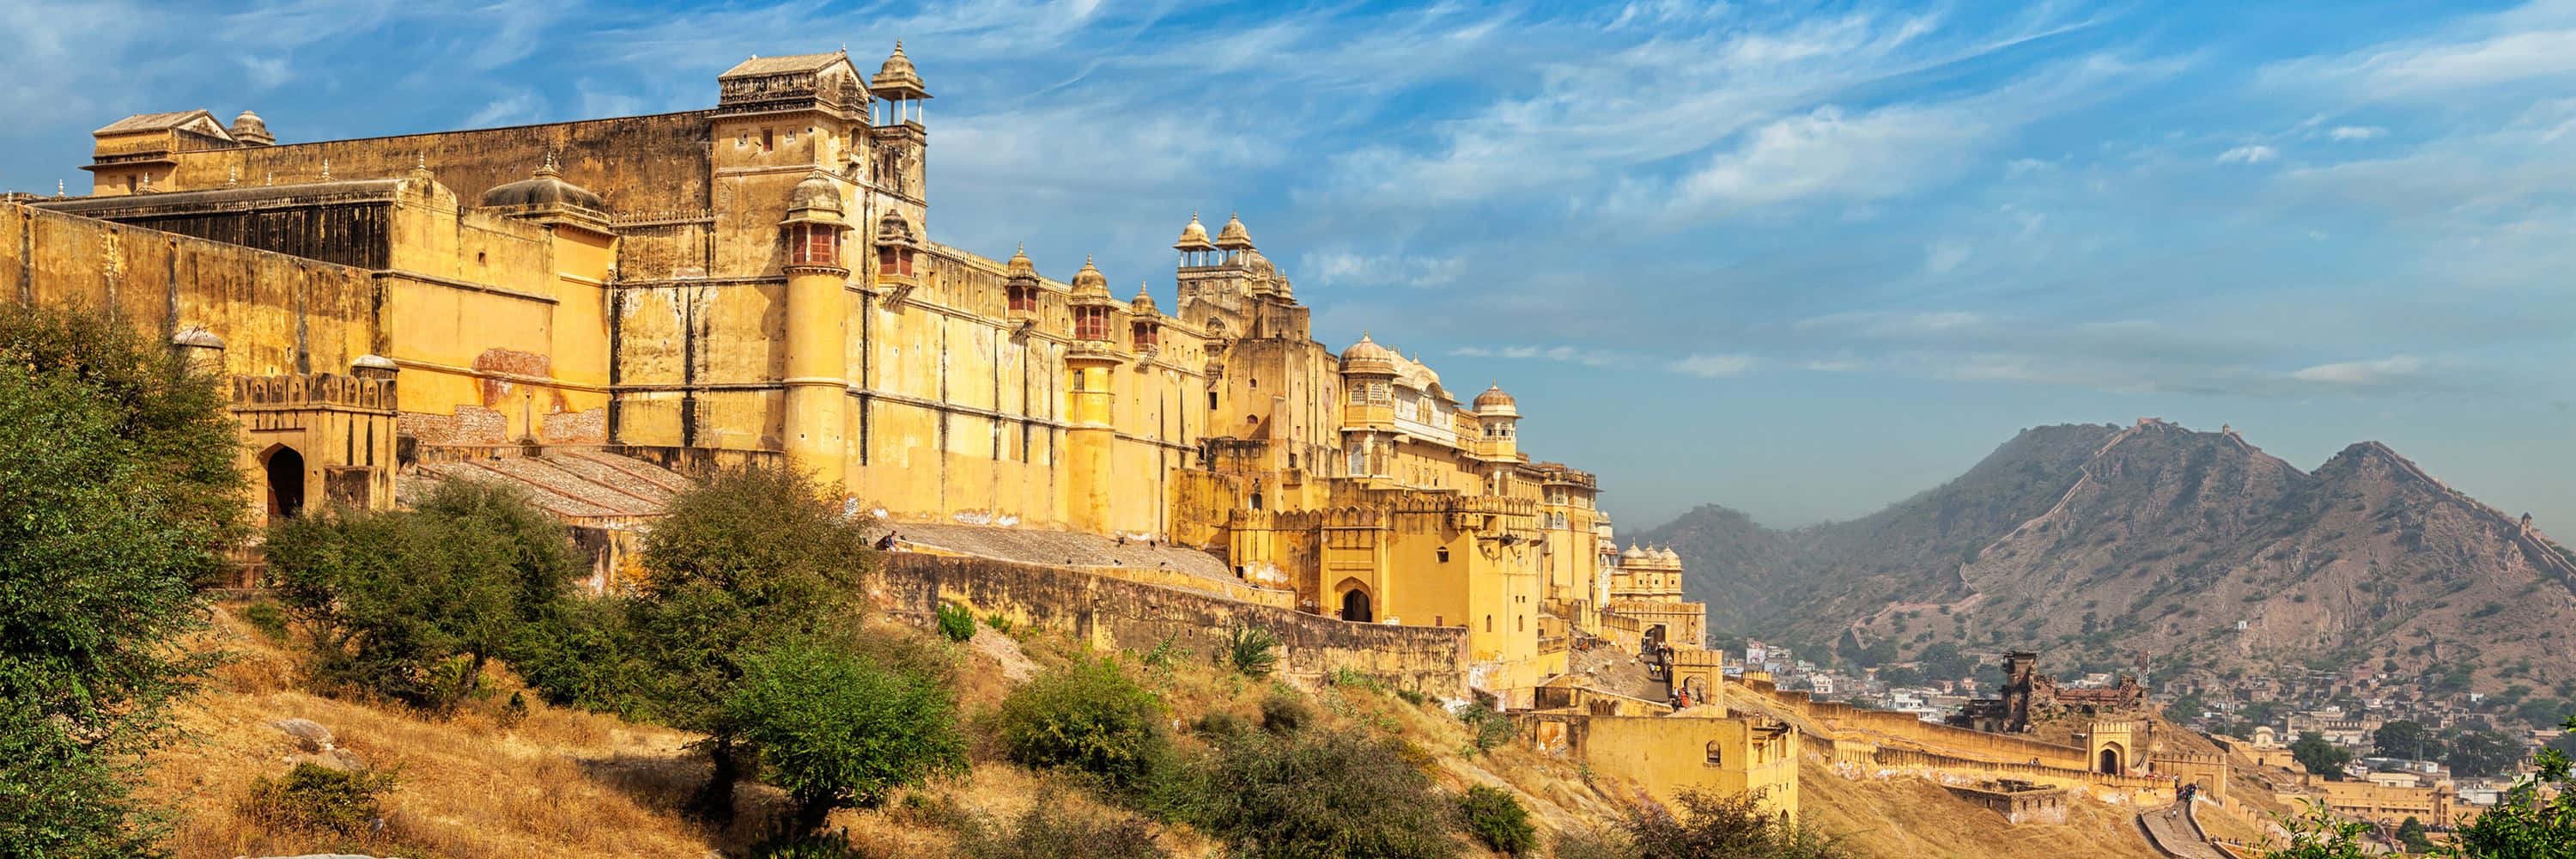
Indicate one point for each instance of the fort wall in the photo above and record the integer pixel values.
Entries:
(1124, 615)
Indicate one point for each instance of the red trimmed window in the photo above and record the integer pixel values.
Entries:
(1091, 323)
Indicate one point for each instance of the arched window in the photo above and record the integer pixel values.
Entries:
(1489, 623)
(1256, 501)
(1716, 755)
(1443, 553)
(1355, 606)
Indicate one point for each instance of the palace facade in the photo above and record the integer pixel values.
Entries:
(760, 280)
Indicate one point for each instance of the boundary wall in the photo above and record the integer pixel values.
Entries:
(1118, 614)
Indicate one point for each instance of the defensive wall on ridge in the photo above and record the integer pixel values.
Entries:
(1126, 615)
(1886, 726)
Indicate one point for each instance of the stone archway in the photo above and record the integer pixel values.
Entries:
(283, 467)
(2110, 759)
(1655, 633)
(1357, 606)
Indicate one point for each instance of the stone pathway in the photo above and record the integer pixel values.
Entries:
(2173, 833)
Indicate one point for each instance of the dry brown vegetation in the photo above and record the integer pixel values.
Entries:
(564, 782)
(1912, 817)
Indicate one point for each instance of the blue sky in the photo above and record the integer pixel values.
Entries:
(1799, 259)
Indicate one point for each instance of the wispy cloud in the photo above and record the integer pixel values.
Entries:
(2356, 132)
(2251, 154)
(1710, 366)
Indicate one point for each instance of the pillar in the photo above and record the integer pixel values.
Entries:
(817, 359)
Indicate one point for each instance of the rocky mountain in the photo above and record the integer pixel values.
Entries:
(2192, 551)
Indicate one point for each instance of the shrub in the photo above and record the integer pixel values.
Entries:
(1592, 844)
(1714, 826)
(746, 561)
(1000, 622)
(956, 622)
(790, 844)
(1086, 716)
(411, 604)
(117, 494)
(1284, 712)
(319, 799)
(1219, 724)
(1322, 795)
(1492, 729)
(1497, 819)
(266, 617)
(836, 731)
(1047, 831)
(1252, 650)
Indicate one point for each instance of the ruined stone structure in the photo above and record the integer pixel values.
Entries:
(759, 280)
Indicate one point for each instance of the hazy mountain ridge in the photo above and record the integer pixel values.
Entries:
(2102, 543)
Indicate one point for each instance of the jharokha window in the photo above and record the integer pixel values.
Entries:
(1091, 323)
(1147, 336)
(892, 259)
(814, 244)
(1024, 299)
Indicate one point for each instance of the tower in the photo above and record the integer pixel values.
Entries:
(1090, 362)
(900, 140)
(1497, 415)
(817, 339)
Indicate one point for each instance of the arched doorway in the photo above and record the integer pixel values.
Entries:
(1655, 633)
(284, 468)
(1355, 606)
(2110, 760)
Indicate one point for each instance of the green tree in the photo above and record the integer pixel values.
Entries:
(1497, 819)
(1710, 825)
(1087, 716)
(1943, 661)
(2405, 739)
(2319, 833)
(2524, 825)
(1323, 795)
(2411, 833)
(2478, 753)
(117, 494)
(835, 730)
(2323, 758)
(413, 604)
(750, 559)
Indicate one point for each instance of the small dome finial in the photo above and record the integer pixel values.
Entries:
(58, 188)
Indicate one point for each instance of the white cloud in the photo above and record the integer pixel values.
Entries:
(1942, 256)
(1710, 366)
(1344, 268)
(2371, 373)
(1826, 153)
(1567, 354)
(2251, 154)
(507, 110)
(2356, 132)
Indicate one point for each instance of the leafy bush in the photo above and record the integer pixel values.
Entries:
(1086, 716)
(1492, 729)
(836, 731)
(266, 617)
(1047, 831)
(1715, 826)
(1252, 650)
(117, 494)
(792, 844)
(1322, 795)
(750, 559)
(1000, 622)
(319, 799)
(1592, 844)
(956, 622)
(411, 604)
(1497, 819)
(1284, 712)
(1219, 724)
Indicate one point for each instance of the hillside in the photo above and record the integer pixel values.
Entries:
(2104, 544)
(564, 782)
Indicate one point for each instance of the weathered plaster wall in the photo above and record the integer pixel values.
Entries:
(1137, 617)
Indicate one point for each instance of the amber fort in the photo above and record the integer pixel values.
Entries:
(598, 309)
